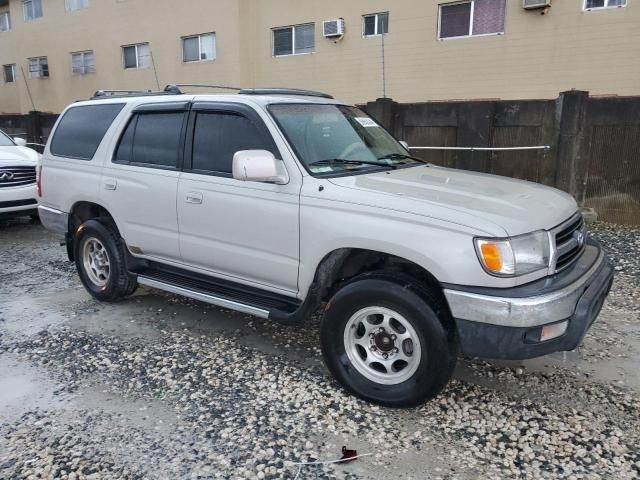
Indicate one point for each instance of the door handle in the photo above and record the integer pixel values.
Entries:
(193, 197)
(110, 183)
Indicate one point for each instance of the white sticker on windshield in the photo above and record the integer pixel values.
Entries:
(366, 122)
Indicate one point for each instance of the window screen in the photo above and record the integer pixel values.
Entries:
(71, 5)
(191, 49)
(9, 73)
(370, 25)
(604, 3)
(207, 46)
(130, 57)
(454, 20)
(283, 41)
(477, 17)
(156, 139)
(488, 16)
(218, 136)
(31, 9)
(383, 23)
(305, 38)
(81, 130)
(5, 22)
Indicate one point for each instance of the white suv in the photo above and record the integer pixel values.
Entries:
(277, 202)
(17, 178)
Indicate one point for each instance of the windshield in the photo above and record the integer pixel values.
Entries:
(5, 140)
(339, 139)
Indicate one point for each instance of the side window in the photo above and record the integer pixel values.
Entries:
(81, 130)
(152, 139)
(219, 135)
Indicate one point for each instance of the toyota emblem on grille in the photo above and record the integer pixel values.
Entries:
(6, 176)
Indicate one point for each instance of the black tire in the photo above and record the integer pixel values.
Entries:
(120, 282)
(421, 308)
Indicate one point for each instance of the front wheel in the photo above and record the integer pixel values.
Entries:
(384, 341)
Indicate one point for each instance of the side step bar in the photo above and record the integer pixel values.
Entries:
(203, 297)
(224, 293)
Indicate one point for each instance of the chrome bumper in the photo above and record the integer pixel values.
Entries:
(528, 311)
(54, 220)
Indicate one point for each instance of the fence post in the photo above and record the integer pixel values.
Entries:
(34, 127)
(384, 110)
(571, 115)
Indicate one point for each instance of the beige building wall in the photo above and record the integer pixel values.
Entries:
(536, 57)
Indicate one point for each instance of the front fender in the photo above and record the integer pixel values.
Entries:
(443, 249)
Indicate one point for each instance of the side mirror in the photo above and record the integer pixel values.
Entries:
(259, 166)
(21, 142)
(404, 144)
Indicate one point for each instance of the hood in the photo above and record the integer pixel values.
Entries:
(14, 156)
(477, 200)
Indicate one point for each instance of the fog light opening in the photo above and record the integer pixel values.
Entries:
(549, 332)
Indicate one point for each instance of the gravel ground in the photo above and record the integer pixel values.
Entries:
(159, 386)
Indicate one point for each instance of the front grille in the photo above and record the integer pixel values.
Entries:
(570, 242)
(17, 176)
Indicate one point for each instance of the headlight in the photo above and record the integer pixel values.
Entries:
(510, 257)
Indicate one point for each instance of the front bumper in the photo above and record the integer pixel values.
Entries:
(18, 200)
(505, 323)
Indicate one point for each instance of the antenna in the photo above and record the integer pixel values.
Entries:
(155, 72)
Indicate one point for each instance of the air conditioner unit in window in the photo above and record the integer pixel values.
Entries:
(534, 4)
(333, 28)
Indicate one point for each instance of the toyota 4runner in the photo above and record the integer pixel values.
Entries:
(277, 202)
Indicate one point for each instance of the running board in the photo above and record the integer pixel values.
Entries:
(203, 297)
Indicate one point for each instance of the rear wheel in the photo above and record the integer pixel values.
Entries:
(384, 341)
(100, 260)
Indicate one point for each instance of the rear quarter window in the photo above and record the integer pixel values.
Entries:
(81, 130)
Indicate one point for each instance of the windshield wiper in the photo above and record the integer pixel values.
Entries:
(342, 161)
(401, 156)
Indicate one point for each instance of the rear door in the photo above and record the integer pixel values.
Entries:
(139, 184)
(246, 231)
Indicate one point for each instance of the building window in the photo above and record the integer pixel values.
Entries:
(476, 17)
(136, 56)
(38, 67)
(9, 73)
(71, 5)
(199, 48)
(83, 62)
(375, 24)
(593, 4)
(5, 22)
(294, 40)
(31, 9)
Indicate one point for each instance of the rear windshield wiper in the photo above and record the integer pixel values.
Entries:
(401, 156)
(342, 161)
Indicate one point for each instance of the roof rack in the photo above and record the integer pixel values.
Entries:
(174, 89)
(104, 94)
(200, 85)
(283, 91)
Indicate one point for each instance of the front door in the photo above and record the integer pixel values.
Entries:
(243, 231)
